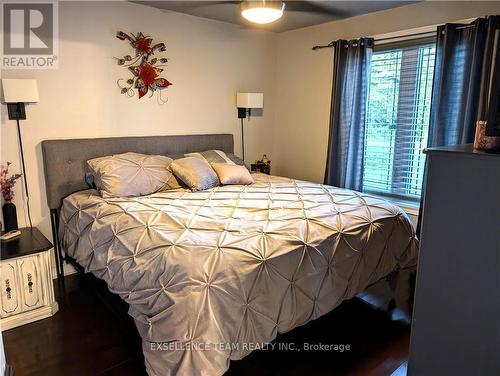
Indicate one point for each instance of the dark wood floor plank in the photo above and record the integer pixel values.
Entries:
(84, 338)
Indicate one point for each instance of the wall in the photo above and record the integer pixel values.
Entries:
(209, 62)
(303, 81)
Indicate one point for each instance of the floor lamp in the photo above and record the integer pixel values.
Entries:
(16, 93)
(245, 102)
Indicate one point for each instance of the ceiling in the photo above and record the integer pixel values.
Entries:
(297, 13)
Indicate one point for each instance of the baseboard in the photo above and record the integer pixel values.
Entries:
(67, 268)
(28, 317)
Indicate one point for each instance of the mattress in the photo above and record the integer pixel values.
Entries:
(210, 275)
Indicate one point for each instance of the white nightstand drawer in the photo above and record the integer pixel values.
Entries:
(30, 283)
(10, 294)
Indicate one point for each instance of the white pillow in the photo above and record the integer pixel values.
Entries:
(232, 174)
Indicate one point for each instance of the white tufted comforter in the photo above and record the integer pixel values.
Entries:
(209, 275)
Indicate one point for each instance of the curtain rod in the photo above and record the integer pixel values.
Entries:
(409, 36)
(325, 46)
(331, 44)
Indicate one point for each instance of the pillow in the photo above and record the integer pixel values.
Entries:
(232, 174)
(173, 182)
(175, 156)
(130, 174)
(211, 156)
(195, 173)
(237, 160)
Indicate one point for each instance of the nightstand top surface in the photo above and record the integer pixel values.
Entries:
(29, 242)
(265, 168)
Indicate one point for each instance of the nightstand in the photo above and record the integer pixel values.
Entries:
(261, 167)
(26, 287)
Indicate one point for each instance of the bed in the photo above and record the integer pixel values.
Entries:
(208, 276)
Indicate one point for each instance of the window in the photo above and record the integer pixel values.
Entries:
(397, 119)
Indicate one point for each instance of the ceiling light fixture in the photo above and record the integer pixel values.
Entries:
(262, 11)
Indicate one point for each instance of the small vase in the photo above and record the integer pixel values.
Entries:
(9, 216)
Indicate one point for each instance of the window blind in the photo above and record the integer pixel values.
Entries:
(397, 119)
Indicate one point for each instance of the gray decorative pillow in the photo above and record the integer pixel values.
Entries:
(236, 160)
(173, 182)
(175, 156)
(232, 174)
(130, 174)
(211, 156)
(196, 173)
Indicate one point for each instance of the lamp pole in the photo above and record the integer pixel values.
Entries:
(242, 141)
(22, 158)
(17, 112)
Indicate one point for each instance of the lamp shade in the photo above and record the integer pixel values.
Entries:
(20, 91)
(250, 100)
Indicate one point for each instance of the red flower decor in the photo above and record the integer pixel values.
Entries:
(147, 74)
(147, 78)
(7, 183)
(147, 71)
(143, 45)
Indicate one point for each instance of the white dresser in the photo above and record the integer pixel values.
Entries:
(27, 291)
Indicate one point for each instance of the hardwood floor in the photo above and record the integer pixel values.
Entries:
(84, 338)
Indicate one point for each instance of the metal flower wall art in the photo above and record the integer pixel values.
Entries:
(146, 67)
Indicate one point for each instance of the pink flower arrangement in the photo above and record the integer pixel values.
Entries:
(7, 183)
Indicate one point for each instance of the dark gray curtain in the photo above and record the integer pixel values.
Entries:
(351, 67)
(461, 81)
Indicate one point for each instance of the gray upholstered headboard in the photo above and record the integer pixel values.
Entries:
(64, 160)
